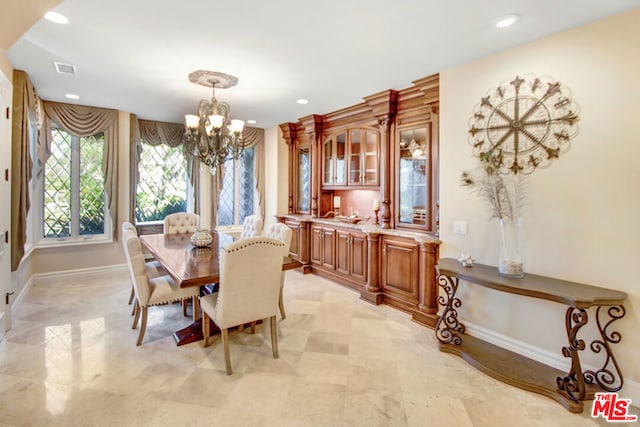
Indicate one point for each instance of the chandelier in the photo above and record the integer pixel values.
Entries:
(211, 136)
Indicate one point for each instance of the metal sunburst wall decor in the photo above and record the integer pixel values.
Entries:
(523, 124)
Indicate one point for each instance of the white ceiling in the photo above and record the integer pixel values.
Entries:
(135, 55)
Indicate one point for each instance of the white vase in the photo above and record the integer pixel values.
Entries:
(510, 261)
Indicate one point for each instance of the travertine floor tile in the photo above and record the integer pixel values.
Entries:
(71, 360)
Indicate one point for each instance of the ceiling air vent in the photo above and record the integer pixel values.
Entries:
(65, 68)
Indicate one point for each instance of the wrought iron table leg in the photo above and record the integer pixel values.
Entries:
(572, 385)
(449, 329)
(609, 376)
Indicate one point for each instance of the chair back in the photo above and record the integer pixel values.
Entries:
(181, 222)
(250, 271)
(281, 232)
(137, 266)
(129, 226)
(252, 226)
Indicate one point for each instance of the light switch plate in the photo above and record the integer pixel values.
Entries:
(460, 227)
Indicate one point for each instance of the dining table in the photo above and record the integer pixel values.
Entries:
(189, 266)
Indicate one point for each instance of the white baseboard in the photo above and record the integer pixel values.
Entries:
(94, 272)
(630, 388)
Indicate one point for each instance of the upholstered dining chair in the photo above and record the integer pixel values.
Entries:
(181, 222)
(251, 226)
(154, 268)
(151, 291)
(283, 233)
(250, 271)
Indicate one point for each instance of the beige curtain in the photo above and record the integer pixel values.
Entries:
(26, 107)
(83, 121)
(254, 137)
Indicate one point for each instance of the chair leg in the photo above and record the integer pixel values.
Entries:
(241, 328)
(252, 328)
(274, 337)
(227, 356)
(131, 295)
(206, 328)
(143, 325)
(136, 313)
(185, 304)
(281, 305)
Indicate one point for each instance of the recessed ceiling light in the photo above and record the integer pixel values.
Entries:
(251, 122)
(71, 96)
(506, 21)
(56, 17)
(302, 101)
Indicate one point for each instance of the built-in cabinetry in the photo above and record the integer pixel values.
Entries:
(377, 160)
(397, 268)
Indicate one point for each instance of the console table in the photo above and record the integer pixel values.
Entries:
(570, 389)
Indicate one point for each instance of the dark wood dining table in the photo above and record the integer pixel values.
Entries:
(193, 266)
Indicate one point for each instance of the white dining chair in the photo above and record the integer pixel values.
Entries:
(251, 226)
(181, 222)
(151, 291)
(154, 268)
(283, 233)
(250, 271)
(178, 223)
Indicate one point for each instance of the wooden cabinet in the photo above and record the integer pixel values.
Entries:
(351, 254)
(351, 159)
(296, 244)
(323, 246)
(400, 278)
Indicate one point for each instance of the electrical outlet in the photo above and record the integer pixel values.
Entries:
(460, 227)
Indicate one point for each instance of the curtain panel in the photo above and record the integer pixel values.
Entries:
(26, 107)
(83, 121)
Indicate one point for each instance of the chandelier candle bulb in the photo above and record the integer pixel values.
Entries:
(237, 126)
(191, 121)
(216, 121)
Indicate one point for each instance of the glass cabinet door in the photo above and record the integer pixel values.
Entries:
(341, 160)
(370, 158)
(355, 158)
(327, 159)
(413, 176)
(304, 180)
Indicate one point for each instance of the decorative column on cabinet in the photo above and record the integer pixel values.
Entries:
(312, 126)
(289, 136)
(384, 107)
(427, 313)
(372, 291)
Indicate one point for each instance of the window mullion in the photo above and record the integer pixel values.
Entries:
(75, 187)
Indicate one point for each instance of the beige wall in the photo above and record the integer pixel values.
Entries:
(276, 175)
(581, 214)
(5, 66)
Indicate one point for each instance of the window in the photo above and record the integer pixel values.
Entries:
(162, 182)
(74, 200)
(238, 189)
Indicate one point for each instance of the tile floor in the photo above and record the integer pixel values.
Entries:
(71, 359)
